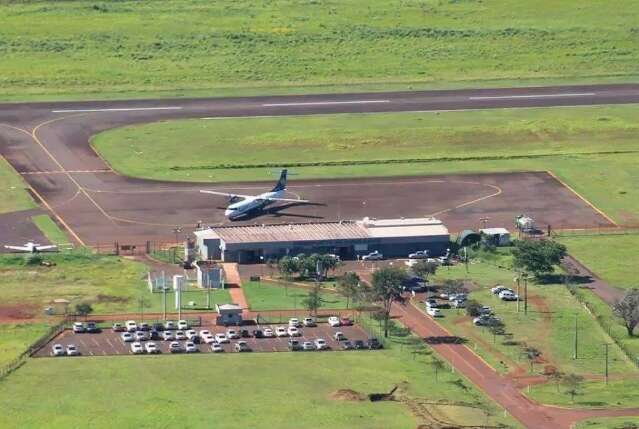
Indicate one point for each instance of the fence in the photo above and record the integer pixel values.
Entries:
(165, 251)
(37, 345)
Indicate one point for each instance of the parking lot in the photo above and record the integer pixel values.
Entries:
(110, 343)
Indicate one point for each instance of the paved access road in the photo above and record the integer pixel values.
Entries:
(48, 143)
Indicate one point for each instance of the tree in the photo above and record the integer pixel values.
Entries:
(288, 266)
(83, 309)
(496, 329)
(628, 310)
(453, 286)
(538, 257)
(531, 354)
(313, 300)
(473, 308)
(556, 376)
(572, 383)
(349, 286)
(425, 269)
(387, 287)
(438, 365)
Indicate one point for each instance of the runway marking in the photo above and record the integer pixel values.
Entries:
(506, 97)
(116, 109)
(26, 173)
(324, 103)
(476, 200)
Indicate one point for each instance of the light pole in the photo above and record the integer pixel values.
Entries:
(176, 231)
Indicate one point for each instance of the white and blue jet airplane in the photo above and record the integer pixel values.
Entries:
(251, 203)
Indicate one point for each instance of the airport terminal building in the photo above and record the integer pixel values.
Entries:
(348, 239)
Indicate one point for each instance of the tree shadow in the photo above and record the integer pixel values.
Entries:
(546, 279)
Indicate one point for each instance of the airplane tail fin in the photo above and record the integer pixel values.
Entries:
(281, 184)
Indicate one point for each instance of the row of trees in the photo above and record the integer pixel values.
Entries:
(307, 266)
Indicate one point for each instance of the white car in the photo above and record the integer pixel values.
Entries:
(294, 332)
(190, 334)
(117, 327)
(216, 348)
(320, 344)
(497, 289)
(204, 332)
(221, 338)
(373, 256)
(434, 312)
(307, 345)
(183, 325)
(339, 336)
(459, 303)
(168, 335)
(507, 295)
(57, 350)
(232, 334)
(151, 348)
(281, 331)
(136, 348)
(140, 336)
(180, 336)
(72, 350)
(420, 254)
(190, 347)
(309, 321)
(169, 325)
(334, 321)
(294, 322)
(175, 347)
(268, 333)
(78, 327)
(208, 339)
(131, 326)
(127, 337)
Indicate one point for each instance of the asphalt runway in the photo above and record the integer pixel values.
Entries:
(48, 144)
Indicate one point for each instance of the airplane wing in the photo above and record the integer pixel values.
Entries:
(292, 200)
(40, 248)
(226, 194)
(21, 248)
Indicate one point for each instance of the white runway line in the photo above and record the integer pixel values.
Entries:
(325, 103)
(122, 109)
(506, 97)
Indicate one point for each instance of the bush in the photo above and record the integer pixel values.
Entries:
(473, 308)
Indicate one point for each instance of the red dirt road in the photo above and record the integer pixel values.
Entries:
(502, 390)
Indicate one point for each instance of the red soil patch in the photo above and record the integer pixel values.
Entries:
(346, 395)
(17, 314)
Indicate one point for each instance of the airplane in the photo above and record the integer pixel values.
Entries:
(32, 247)
(249, 203)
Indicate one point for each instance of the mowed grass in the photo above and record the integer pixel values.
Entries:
(175, 47)
(614, 258)
(13, 194)
(578, 144)
(50, 229)
(110, 284)
(16, 338)
(622, 392)
(274, 296)
(608, 423)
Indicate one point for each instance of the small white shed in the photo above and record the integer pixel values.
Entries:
(496, 236)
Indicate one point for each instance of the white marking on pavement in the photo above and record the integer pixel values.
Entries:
(325, 103)
(505, 97)
(121, 109)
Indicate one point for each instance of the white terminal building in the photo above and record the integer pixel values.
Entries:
(348, 239)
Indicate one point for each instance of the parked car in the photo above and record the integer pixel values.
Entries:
(190, 347)
(78, 327)
(347, 345)
(180, 335)
(294, 332)
(497, 289)
(309, 321)
(117, 327)
(136, 348)
(57, 350)
(321, 344)
(431, 303)
(334, 321)
(242, 346)
(155, 335)
(245, 333)
(373, 256)
(459, 303)
(257, 333)
(345, 321)
(420, 254)
(485, 311)
(151, 348)
(143, 326)
(175, 347)
(169, 324)
(168, 335)
(221, 338)
(434, 312)
(140, 336)
(268, 333)
(281, 331)
(92, 327)
(414, 284)
(486, 321)
(232, 334)
(216, 348)
(294, 322)
(374, 344)
(183, 325)
(307, 345)
(127, 337)
(339, 336)
(72, 350)
(359, 344)
(208, 339)
(190, 334)
(204, 332)
(507, 295)
(294, 345)
(131, 326)
(157, 326)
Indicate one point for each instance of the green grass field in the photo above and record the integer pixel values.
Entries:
(13, 196)
(110, 284)
(273, 296)
(614, 258)
(576, 143)
(15, 339)
(83, 49)
(609, 423)
(619, 393)
(280, 390)
(50, 229)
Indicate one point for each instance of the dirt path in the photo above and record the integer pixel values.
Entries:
(502, 389)
(603, 290)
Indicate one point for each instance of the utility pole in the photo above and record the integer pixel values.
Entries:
(576, 344)
(164, 301)
(606, 367)
(525, 295)
(518, 281)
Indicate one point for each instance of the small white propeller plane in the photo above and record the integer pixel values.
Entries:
(32, 247)
(249, 203)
